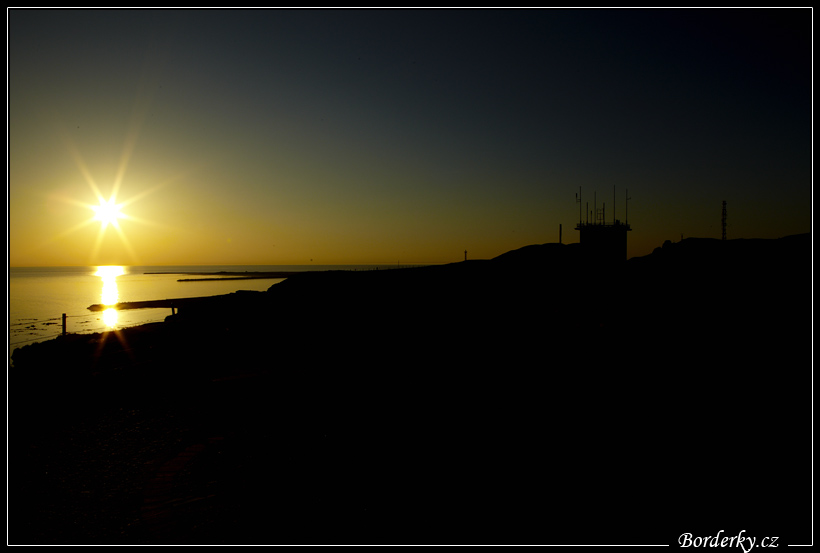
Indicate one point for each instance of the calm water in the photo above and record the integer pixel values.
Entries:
(39, 296)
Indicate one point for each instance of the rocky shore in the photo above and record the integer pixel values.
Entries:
(535, 398)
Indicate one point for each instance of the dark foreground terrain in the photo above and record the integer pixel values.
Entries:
(537, 398)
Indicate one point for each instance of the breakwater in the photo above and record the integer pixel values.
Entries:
(229, 275)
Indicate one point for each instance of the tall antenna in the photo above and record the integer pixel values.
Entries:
(627, 205)
(723, 222)
(580, 206)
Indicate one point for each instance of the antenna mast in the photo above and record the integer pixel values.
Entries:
(627, 205)
(723, 222)
(580, 206)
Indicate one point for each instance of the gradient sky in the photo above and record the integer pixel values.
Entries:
(336, 137)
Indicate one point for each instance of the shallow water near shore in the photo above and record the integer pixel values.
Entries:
(38, 296)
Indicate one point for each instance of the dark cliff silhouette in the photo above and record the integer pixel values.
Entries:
(538, 397)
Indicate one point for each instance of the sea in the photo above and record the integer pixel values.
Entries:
(39, 296)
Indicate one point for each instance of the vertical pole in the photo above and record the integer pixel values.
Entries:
(723, 222)
(63, 324)
(626, 202)
(580, 206)
(560, 232)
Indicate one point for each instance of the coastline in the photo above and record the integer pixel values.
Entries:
(463, 403)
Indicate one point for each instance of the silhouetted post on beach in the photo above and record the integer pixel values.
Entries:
(63, 324)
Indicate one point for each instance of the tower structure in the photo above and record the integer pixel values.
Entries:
(723, 222)
(604, 241)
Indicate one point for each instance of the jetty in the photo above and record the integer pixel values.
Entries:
(173, 303)
(229, 275)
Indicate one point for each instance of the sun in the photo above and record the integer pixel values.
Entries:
(107, 212)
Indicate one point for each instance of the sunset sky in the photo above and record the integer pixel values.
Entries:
(350, 137)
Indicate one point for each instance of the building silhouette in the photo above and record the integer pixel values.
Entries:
(601, 240)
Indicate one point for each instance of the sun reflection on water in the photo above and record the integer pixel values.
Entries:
(110, 295)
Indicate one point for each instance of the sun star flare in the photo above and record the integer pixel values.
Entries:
(107, 212)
